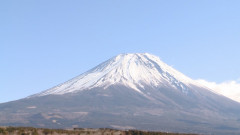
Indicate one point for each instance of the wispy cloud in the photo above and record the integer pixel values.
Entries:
(230, 89)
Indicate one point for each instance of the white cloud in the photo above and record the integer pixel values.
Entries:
(230, 89)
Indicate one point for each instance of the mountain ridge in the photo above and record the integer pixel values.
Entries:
(129, 90)
(122, 69)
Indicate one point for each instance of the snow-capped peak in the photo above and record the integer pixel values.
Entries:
(134, 70)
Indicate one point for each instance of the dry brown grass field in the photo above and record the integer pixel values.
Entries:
(77, 131)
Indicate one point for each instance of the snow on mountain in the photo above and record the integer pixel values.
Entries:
(134, 70)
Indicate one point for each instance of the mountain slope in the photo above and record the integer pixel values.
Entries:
(132, 70)
(128, 91)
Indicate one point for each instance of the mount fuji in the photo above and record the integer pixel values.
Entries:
(128, 91)
(131, 70)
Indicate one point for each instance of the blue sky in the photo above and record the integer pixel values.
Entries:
(44, 43)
